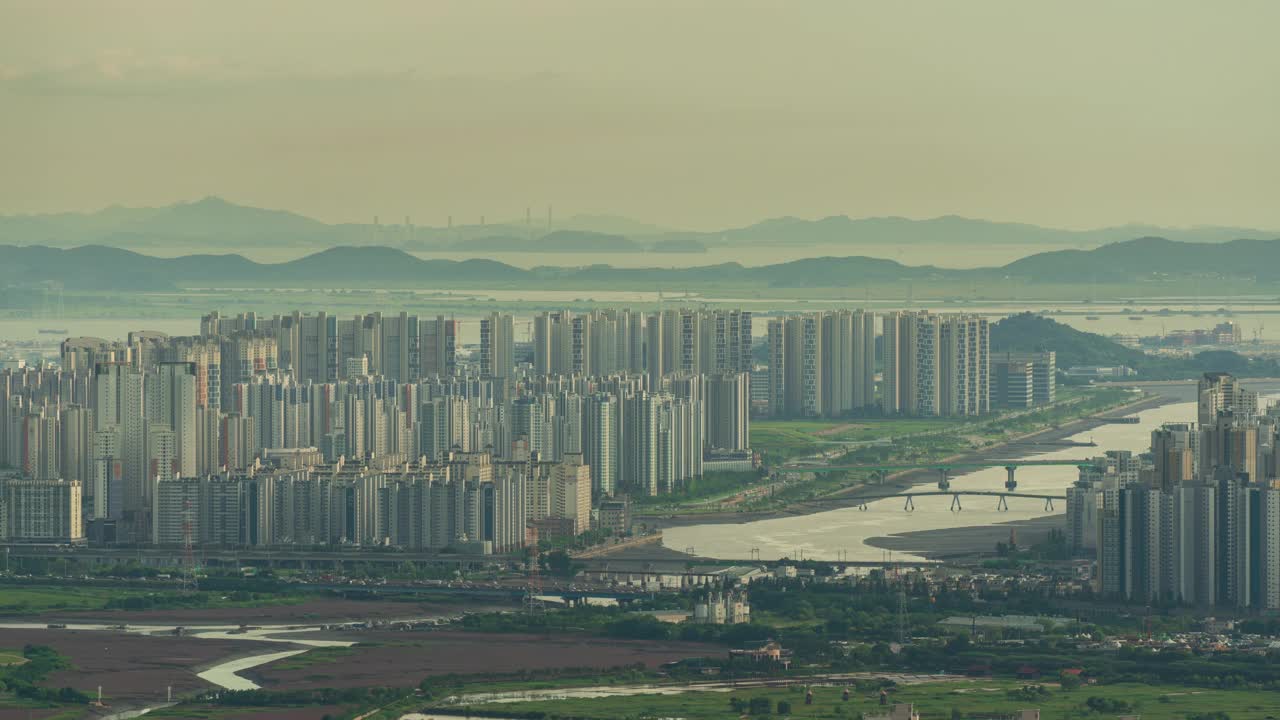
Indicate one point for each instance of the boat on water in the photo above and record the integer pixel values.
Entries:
(1092, 317)
(1135, 317)
(52, 331)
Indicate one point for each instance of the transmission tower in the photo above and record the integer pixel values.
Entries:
(188, 554)
(902, 605)
(533, 602)
(902, 614)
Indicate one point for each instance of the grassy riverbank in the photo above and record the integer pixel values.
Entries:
(873, 441)
(40, 599)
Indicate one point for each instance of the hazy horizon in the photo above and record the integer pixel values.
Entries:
(539, 217)
(699, 118)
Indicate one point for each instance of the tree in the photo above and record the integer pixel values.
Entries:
(558, 563)
(958, 644)
(784, 707)
(1070, 681)
(760, 706)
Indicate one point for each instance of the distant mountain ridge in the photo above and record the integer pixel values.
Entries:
(100, 267)
(221, 224)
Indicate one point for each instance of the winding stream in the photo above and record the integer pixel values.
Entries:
(226, 673)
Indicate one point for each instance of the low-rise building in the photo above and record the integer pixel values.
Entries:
(722, 608)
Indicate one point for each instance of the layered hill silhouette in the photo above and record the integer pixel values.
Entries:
(219, 224)
(106, 268)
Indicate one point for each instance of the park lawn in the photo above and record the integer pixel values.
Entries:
(38, 599)
(932, 700)
(704, 490)
(783, 439)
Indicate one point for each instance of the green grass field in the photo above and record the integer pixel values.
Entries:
(933, 700)
(36, 599)
(785, 439)
(11, 657)
(311, 658)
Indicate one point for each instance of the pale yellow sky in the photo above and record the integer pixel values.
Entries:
(690, 114)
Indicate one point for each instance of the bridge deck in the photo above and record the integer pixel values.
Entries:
(1074, 462)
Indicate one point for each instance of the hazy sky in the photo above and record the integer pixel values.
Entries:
(689, 114)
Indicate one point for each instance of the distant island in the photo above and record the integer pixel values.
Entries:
(1151, 265)
(215, 224)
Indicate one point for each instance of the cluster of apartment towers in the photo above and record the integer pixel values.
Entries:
(1196, 520)
(306, 428)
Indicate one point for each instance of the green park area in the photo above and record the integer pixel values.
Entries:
(954, 699)
(19, 600)
(783, 440)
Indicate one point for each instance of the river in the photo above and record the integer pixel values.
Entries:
(843, 533)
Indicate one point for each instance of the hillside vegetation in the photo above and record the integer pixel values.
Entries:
(1030, 332)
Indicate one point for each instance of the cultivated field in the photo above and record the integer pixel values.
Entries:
(405, 659)
(129, 667)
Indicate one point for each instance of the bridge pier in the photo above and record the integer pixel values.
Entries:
(944, 481)
(1048, 504)
(862, 506)
(955, 503)
(1011, 484)
(910, 506)
(1002, 505)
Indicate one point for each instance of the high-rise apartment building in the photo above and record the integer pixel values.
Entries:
(728, 409)
(1220, 392)
(571, 492)
(497, 345)
(935, 364)
(171, 395)
(821, 364)
(600, 438)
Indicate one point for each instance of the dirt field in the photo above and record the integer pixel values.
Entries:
(311, 611)
(404, 659)
(129, 667)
